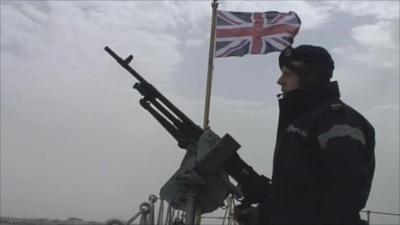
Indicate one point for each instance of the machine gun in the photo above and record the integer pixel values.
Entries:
(201, 183)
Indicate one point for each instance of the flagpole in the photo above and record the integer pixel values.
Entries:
(214, 6)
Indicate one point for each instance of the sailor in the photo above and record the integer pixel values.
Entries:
(324, 155)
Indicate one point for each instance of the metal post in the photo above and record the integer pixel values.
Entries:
(368, 216)
(230, 209)
(160, 212)
(170, 215)
(226, 215)
(214, 6)
(145, 210)
(153, 199)
(134, 218)
(190, 211)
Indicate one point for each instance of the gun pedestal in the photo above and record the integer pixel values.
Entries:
(191, 185)
(201, 184)
(191, 208)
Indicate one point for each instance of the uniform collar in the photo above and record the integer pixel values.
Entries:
(297, 101)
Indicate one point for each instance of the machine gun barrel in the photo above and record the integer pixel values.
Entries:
(125, 63)
(222, 156)
(181, 127)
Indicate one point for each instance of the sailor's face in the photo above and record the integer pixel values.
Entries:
(288, 80)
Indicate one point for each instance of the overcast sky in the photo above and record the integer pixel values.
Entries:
(75, 141)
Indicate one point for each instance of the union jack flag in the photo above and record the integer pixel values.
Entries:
(241, 33)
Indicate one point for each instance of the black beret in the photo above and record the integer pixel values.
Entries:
(308, 54)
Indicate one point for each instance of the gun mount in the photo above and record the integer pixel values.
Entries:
(200, 183)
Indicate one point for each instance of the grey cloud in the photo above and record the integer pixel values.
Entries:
(386, 10)
(193, 42)
(62, 112)
(385, 118)
(312, 15)
(375, 42)
(74, 36)
(70, 120)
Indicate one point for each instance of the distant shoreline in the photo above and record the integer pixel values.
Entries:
(8, 220)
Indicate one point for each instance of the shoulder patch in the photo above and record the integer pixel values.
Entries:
(336, 106)
(341, 130)
(296, 130)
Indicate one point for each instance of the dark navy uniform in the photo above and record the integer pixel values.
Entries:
(324, 155)
(323, 161)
